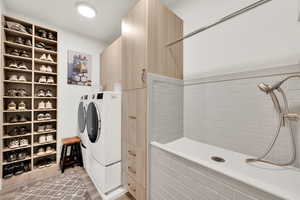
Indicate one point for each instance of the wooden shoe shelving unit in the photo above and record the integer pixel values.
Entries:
(32, 87)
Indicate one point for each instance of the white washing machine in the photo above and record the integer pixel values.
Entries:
(104, 133)
(82, 130)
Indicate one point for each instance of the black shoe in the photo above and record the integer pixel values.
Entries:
(19, 40)
(24, 54)
(19, 169)
(42, 33)
(8, 171)
(14, 132)
(21, 156)
(15, 52)
(11, 157)
(40, 45)
(51, 36)
(28, 42)
(29, 30)
(23, 130)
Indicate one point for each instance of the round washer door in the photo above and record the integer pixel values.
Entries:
(81, 117)
(93, 122)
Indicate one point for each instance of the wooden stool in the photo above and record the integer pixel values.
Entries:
(70, 153)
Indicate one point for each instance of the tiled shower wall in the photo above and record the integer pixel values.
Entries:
(231, 112)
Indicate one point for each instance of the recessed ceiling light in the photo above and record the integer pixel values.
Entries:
(86, 10)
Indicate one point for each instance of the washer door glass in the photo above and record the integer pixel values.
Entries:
(81, 117)
(93, 122)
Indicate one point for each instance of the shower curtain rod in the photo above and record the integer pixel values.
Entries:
(227, 17)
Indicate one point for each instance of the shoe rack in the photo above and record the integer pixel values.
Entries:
(28, 78)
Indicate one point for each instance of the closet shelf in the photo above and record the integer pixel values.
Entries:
(40, 72)
(44, 132)
(45, 97)
(44, 110)
(17, 33)
(37, 38)
(17, 45)
(45, 143)
(17, 57)
(17, 70)
(16, 111)
(44, 121)
(17, 123)
(49, 84)
(16, 136)
(40, 50)
(16, 97)
(44, 155)
(9, 149)
(18, 82)
(16, 161)
(45, 62)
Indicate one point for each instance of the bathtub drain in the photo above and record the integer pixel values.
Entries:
(217, 159)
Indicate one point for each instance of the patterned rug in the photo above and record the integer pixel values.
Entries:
(67, 186)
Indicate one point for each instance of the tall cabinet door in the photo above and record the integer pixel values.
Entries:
(134, 40)
(135, 118)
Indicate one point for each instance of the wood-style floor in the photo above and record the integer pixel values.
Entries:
(9, 193)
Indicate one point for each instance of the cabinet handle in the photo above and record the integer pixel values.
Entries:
(143, 77)
(131, 170)
(131, 153)
(132, 117)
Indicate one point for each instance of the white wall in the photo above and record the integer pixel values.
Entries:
(69, 95)
(266, 36)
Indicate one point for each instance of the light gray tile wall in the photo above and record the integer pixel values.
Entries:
(174, 178)
(165, 106)
(231, 112)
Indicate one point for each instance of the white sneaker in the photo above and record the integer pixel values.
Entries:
(49, 127)
(22, 106)
(49, 138)
(48, 105)
(13, 65)
(23, 142)
(49, 93)
(12, 106)
(42, 139)
(23, 66)
(13, 78)
(22, 78)
(40, 117)
(47, 116)
(41, 128)
(49, 69)
(49, 149)
(41, 105)
(49, 58)
(41, 93)
(43, 57)
(43, 79)
(13, 144)
(41, 151)
(43, 68)
(50, 80)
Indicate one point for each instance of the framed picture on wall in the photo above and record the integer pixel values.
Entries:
(79, 68)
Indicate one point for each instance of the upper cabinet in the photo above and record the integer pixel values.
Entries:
(146, 30)
(111, 65)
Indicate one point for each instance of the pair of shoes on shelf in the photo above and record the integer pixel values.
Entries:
(44, 93)
(46, 57)
(16, 92)
(17, 119)
(16, 78)
(11, 157)
(44, 34)
(45, 128)
(12, 106)
(15, 143)
(43, 68)
(42, 116)
(43, 105)
(17, 52)
(15, 169)
(44, 79)
(14, 64)
(18, 131)
(22, 41)
(46, 138)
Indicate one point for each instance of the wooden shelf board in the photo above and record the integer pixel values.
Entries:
(44, 155)
(44, 110)
(48, 84)
(16, 136)
(45, 143)
(16, 111)
(17, 70)
(18, 82)
(16, 161)
(45, 97)
(38, 38)
(40, 50)
(44, 132)
(17, 45)
(44, 62)
(40, 72)
(17, 33)
(17, 57)
(14, 149)
(44, 121)
(18, 123)
(9, 97)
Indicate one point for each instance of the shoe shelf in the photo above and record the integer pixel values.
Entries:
(47, 73)
(17, 70)
(16, 33)
(44, 143)
(6, 149)
(16, 136)
(16, 161)
(16, 111)
(17, 57)
(17, 45)
(42, 51)
(44, 154)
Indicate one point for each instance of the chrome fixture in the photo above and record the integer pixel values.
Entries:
(284, 120)
(223, 19)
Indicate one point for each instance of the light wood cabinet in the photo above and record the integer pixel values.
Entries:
(111, 65)
(146, 30)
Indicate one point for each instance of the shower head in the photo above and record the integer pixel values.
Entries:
(267, 88)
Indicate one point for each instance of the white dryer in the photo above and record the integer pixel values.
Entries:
(82, 131)
(104, 133)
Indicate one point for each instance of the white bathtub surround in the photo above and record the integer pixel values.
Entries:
(185, 165)
(230, 111)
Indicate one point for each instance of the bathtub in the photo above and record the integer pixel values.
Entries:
(183, 170)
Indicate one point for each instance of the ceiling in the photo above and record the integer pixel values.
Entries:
(106, 26)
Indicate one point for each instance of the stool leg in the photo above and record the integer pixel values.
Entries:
(64, 158)
(61, 156)
(79, 154)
